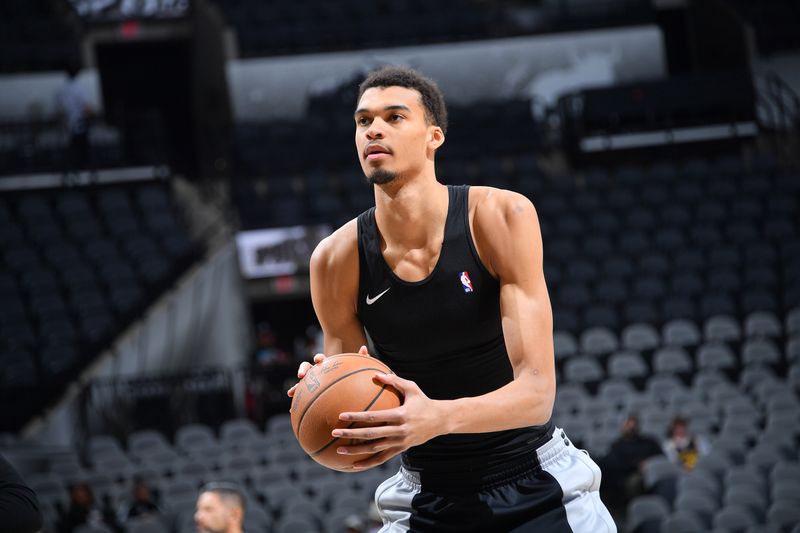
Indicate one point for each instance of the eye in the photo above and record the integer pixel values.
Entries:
(362, 121)
(395, 117)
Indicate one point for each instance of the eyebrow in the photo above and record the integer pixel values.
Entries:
(394, 107)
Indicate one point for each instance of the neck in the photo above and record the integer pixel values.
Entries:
(411, 212)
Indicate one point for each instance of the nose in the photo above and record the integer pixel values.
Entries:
(375, 130)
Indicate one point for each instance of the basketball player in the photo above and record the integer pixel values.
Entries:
(220, 509)
(448, 284)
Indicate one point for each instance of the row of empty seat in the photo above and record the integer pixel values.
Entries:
(278, 477)
(76, 266)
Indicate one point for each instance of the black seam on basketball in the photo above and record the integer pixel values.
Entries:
(375, 399)
(302, 416)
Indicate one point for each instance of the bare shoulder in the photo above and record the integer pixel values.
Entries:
(495, 208)
(338, 250)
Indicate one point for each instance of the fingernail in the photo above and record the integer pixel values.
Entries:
(341, 451)
(336, 433)
(344, 417)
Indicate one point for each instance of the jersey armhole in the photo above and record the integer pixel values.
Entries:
(471, 240)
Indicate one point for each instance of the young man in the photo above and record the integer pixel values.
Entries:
(448, 283)
(220, 509)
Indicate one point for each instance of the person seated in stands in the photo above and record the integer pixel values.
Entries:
(683, 448)
(143, 501)
(83, 510)
(220, 508)
(622, 465)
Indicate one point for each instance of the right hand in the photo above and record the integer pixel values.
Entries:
(318, 358)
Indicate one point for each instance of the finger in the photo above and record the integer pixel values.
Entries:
(291, 390)
(318, 358)
(374, 446)
(303, 369)
(377, 459)
(373, 417)
(403, 385)
(368, 433)
(363, 351)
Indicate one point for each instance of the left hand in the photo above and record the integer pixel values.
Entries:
(395, 430)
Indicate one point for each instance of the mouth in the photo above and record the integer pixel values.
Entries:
(375, 152)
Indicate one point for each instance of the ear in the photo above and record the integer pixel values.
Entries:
(435, 138)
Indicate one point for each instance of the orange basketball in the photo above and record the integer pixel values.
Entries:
(341, 383)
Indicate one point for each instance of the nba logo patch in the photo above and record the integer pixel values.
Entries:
(465, 281)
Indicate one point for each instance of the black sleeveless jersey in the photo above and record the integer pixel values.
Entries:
(444, 333)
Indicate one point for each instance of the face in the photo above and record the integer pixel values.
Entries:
(212, 515)
(631, 425)
(393, 138)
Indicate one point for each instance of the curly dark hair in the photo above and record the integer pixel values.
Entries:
(393, 76)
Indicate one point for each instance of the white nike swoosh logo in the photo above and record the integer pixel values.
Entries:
(371, 301)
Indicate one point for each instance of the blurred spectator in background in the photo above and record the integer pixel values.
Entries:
(683, 448)
(143, 502)
(19, 507)
(220, 508)
(83, 510)
(75, 111)
(622, 465)
(267, 351)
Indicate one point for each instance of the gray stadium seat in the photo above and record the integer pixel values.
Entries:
(194, 436)
(680, 332)
(745, 476)
(716, 463)
(616, 392)
(684, 522)
(672, 359)
(785, 490)
(582, 370)
(760, 351)
(758, 380)
(657, 469)
(707, 380)
(698, 503)
(571, 397)
(146, 442)
(734, 518)
(644, 509)
(640, 337)
(664, 386)
(783, 514)
(715, 355)
(627, 364)
(721, 328)
(764, 457)
(565, 344)
(598, 340)
(784, 471)
(747, 496)
(238, 430)
(762, 324)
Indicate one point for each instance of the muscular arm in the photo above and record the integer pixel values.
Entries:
(507, 234)
(334, 291)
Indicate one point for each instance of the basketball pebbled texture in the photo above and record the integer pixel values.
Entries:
(341, 383)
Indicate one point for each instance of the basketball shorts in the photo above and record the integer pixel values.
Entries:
(556, 490)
